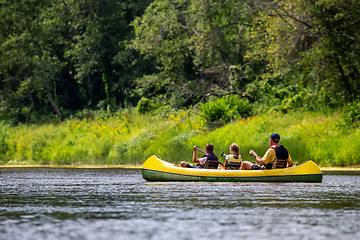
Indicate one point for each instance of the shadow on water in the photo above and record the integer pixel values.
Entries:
(120, 204)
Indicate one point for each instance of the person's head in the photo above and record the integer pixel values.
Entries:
(274, 139)
(234, 149)
(209, 148)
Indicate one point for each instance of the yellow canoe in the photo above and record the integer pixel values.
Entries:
(155, 169)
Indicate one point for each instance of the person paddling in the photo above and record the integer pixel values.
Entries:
(277, 156)
(233, 160)
(209, 155)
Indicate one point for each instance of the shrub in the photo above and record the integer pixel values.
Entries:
(306, 99)
(144, 105)
(224, 109)
(351, 113)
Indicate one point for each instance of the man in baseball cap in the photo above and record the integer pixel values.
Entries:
(277, 156)
(275, 137)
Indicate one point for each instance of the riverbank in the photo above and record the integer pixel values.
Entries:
(350, 168)
(73, 166)
(130, 138)
(346, 168)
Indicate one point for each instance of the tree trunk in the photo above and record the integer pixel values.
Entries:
(48, 91)
(52, 102)
(33, 101)
(344, 79)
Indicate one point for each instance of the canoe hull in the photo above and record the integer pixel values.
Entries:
(152, 176)
(155, 169)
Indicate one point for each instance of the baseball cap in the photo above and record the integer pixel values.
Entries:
(275, 137)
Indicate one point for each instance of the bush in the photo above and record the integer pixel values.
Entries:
(306, 99)
(144, 105)
(225, 109)
(351, 113)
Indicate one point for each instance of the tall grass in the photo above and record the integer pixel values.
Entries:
(131, 138)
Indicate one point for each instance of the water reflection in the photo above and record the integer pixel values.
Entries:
(119, 204)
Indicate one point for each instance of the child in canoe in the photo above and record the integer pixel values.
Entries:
(204, 161)
(233, 161)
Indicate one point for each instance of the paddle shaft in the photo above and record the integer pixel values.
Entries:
(223, 154)
(200, 150)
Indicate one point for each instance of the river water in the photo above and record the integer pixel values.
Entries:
(120, 204)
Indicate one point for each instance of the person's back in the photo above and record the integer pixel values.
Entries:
(209, 160)
(282, 156)
(233, 161)
(276, 156)
(211, 156)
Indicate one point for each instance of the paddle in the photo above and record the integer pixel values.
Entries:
(223, 154)
(200, 149)
(205, 153)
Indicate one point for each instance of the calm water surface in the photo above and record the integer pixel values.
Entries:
(120, 204)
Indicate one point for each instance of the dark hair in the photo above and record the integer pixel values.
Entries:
(209, 147)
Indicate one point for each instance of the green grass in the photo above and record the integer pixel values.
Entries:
(130, 138)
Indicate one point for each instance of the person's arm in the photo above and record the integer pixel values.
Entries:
(202, 160)
(226, 160)
(257, 158)
(289, 162)
(194, 155)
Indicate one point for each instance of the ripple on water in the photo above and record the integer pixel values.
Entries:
(119, 204)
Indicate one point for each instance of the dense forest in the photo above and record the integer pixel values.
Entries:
(59, 57)
(113, 82)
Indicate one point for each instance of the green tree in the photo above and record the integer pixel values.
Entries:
(28, 63)
(71, 54)
(99, 47)
(315, 41)
(195, 43)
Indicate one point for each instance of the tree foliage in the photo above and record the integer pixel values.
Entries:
(68, 53)
(317, 41)
(61, 56)
(29, 60)
(195, 43)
